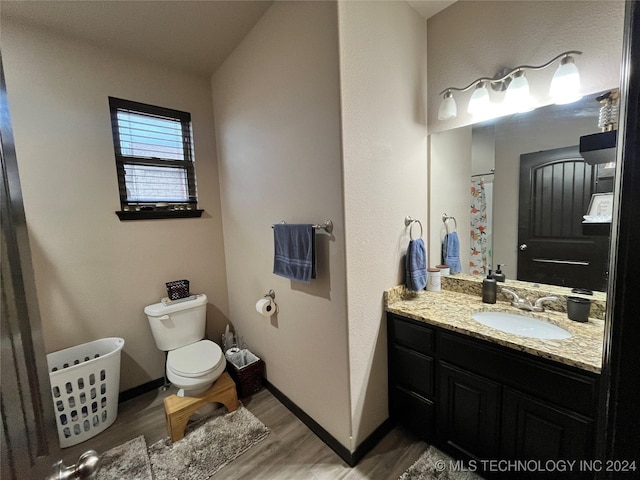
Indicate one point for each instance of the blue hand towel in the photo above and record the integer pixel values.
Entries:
(451, 252)
(294, 251)
(416, 265)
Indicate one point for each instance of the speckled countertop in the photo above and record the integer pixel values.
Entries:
(452, 310)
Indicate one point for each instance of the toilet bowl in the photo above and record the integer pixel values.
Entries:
(193, 364)
(193, 368)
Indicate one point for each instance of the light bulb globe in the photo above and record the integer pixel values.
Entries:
(479, 103)
(518, 97)
(565, 84)
(448, 108)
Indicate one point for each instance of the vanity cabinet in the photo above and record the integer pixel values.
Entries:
(478, 400)
(411, 376)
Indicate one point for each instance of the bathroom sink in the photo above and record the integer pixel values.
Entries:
(521, 325)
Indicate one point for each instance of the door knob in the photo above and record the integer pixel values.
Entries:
(523, 247)
(86, 468)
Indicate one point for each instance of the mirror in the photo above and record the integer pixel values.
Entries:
(486, 158)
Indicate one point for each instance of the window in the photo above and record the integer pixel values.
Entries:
(154, 161)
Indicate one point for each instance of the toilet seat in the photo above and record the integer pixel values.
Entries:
(196, 360)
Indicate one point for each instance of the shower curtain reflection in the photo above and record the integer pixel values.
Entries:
(480, 257)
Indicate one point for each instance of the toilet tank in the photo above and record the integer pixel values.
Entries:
(182, 323)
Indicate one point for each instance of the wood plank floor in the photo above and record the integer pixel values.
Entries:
(291, 451)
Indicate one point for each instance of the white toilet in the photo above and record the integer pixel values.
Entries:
(193, 364)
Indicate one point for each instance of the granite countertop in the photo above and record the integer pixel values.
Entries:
(452, 311)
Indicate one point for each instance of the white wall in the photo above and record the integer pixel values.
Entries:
(277, 111)
(277, 105)
(483, 149)
(473, 39)
(383, 84)
(94, 274)
(450, 190)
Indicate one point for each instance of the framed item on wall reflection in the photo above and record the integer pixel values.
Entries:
(601, 205)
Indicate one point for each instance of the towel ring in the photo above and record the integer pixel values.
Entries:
(445, 219)
(408, 221)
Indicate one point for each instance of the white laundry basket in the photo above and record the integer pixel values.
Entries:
(85, 380)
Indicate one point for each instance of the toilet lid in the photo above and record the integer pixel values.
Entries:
(195, 359)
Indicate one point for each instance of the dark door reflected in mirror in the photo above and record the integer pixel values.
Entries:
(556, 187)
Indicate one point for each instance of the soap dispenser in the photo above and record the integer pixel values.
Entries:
(498, 275)
(489, 289)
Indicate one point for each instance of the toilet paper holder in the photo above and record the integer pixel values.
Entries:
(272, 296)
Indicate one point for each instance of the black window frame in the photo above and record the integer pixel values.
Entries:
(142, 210)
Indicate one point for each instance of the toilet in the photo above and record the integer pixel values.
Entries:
(193, 364)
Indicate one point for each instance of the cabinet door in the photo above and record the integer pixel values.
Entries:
(468, 412)
(535, 430)
(412, 411)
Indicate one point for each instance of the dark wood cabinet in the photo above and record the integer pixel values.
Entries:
(536, 430)
(413, 411)
(411, 376)
(413, 371)
(481, 401)
(468, 407)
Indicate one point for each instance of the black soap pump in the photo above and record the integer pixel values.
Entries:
(498, 275)
(489, 289)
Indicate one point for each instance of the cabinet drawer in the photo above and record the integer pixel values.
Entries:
(413, 411)
(411, 335)
(412, 370)
(550, 382)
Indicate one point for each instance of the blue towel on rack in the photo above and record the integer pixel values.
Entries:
(451, 252)
(416, 265)
(294, 251)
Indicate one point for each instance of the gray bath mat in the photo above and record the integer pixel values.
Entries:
(433, 464)
(209, 444)
(129, 460)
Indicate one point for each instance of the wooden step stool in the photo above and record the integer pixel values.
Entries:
(177, 409)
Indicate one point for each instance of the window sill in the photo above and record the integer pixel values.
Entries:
(158, 214)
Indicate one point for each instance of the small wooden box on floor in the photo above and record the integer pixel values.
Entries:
(178, 410)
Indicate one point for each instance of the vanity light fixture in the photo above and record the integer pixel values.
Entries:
(479, 103)
(565, 87)
(448, 108)
(518, 98)
(565, 83)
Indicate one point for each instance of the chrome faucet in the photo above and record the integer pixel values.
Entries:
(538, 306)
(525, 304)
(521, 303)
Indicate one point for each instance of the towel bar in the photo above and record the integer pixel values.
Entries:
(327, 226)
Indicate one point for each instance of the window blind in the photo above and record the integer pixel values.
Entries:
(154, 156)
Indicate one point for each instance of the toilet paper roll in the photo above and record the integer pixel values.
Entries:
(265, 307)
